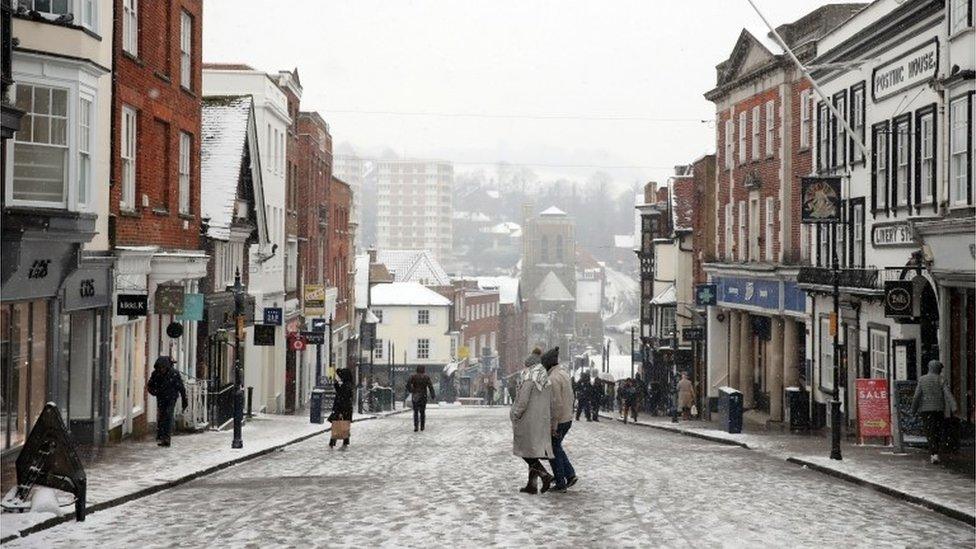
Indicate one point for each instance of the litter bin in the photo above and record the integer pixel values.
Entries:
(315, 405)
(730, 410)
(797, 409)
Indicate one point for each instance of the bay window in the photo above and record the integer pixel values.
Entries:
(41, 146)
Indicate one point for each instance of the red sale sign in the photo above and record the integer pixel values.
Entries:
(873, 411)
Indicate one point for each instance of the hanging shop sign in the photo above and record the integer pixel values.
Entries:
(314, 338)
(192, 307)
(296, 343)
(899, 298)
(318, 325)
(893, 235)
(314, 298)
(132, 305)
(169, 299)
(820, 199)
(264, 335)
(705, 295)
(273, 315)
(693, 334)
(873, 408)
(914, 67)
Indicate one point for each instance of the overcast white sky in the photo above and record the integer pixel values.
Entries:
(642, 60)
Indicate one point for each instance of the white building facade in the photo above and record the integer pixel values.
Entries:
(414, 206)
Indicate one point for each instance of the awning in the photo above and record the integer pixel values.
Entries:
(667, 297)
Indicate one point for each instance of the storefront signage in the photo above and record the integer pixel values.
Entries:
(272, 315)
(820, 199)
(264, 335)
(705, 295)
(192, 307)
(899, 298)
(910, 426)
(909, 70)
(693, 334)
(314, 298)
(314, 338)
(36, 269)
(296, 343)
(132, 305)
(749, 291)
(87, 288)
(896, 235)
(318, 325)
(169, 299)
(873, 408)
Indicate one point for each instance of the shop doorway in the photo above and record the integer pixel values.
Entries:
(79, 390)
(290, 380)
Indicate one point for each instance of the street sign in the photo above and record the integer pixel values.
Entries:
(264, 335)
(693, 334)
(192, 307)
(318, 325)
(820, 199)
(899, 298)
(132, 305)
(272, 315)
(296, 343)
(706, 294)
(873, 409)
(313, 338)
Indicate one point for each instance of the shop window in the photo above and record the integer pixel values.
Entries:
(826, 355)
(24, 359)
(879, 153)
(878, 352)
(805, 128)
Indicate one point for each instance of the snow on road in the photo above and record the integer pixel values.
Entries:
(456, 485)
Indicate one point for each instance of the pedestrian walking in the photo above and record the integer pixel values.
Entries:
(418, 386)
(531, 416)
(686, 396)
(628, 397)
(560, 422)
(583, 393)
(596, 397)
(166, 385)
(341, 416)
(490, 391)
(934, 402)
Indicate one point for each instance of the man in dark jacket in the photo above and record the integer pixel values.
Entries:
(166, 385)
(933, 402)
(582, 390)
(418, 385)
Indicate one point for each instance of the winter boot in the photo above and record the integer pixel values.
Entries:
(546, 480)
(345, 442)
(529, 487)
(332, 443)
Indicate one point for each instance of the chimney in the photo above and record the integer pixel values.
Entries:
(650, 192)
(372, 255)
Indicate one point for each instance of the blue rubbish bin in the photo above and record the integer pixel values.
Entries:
(730, 410)
(315, 405)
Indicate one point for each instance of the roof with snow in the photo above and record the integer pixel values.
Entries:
(362, 280)
(623, 241)
(224, 125)
(413, 266)
(509, 228)
(553, 211)
(406, 294)
(667, 297)
(552, 289)
(507, 286)
(589, 296)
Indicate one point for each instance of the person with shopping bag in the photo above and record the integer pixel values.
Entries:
(341, 416)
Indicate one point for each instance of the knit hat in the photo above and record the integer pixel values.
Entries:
(551, 357)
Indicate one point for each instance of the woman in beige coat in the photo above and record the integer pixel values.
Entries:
(531, 433)
(686, 396)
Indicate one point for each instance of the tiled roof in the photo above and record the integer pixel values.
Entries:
(223, 135)
(413, 266)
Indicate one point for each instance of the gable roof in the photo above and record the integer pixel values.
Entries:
(553, 211)
(225, 124)
(552, 289)
(413, 266)
(405, 294)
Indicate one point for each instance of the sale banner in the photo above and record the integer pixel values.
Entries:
(873, 411)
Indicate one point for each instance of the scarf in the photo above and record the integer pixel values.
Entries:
(538, 375)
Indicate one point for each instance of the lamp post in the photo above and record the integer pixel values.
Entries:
(835, 419)
(239, 297)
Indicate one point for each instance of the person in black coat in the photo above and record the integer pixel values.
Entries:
(166, 385)
(342, 405)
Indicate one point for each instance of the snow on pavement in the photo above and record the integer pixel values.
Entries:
(456, 484)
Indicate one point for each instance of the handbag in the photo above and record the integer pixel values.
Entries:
(694, 409)
(340, 429)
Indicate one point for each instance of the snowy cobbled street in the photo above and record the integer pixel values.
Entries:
(456, 485)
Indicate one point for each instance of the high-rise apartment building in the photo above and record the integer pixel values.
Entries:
(351, 169)
(414, 206)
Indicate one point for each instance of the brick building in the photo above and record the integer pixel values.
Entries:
(155, 190)
(339, 259)
(755, 334)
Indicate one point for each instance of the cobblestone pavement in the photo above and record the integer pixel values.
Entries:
(456, 485)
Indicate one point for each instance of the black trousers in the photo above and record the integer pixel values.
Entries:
(535, 464)
(419, 414)
(164, 419)
(934, 423)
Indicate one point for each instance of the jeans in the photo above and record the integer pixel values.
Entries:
(933, 423)
(419, 414)
(164, 421)
(562, 469)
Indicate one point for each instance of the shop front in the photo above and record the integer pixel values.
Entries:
(216, 352)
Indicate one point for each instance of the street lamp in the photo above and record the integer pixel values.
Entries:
(239, 302)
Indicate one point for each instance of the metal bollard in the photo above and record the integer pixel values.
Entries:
(250, 401)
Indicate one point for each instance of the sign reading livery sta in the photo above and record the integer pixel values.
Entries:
(820, 199)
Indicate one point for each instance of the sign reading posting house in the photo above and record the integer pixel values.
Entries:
(899, 298)
(910, 69)
(873, 409)
(820, 199)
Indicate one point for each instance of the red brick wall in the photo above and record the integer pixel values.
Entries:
(802, 164)
(337, 252)
(150, 84)
(484, 326)
(313, 177)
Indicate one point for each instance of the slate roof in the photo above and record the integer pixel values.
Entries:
(223, 135)
(413, 266)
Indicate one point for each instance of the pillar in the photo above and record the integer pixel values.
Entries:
(746, 366)
(733, 377)
(775, 371)
(791, 371)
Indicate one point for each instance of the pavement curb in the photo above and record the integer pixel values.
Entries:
(687, 433)
(150, 490)
(950, 512)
